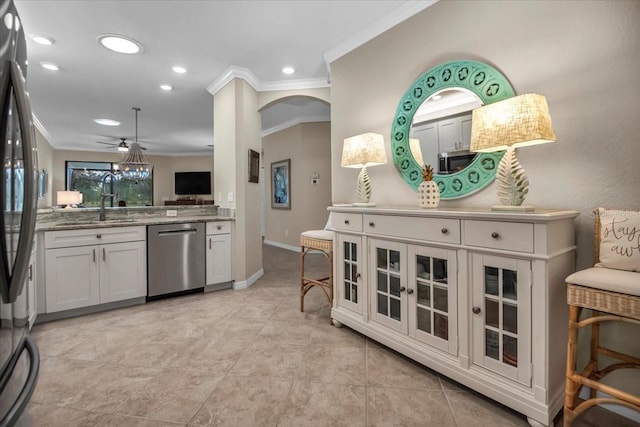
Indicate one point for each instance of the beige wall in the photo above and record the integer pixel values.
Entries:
(45, 162)
(236, 130)
(583, 56)
(308, 145)
(163, 170)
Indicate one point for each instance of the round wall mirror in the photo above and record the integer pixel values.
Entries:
(433, 123)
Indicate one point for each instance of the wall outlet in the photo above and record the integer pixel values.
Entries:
(286, 232)
(230, 197)
(172, 212)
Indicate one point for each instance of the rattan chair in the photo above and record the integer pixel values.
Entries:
(316, 241)
(612, 295)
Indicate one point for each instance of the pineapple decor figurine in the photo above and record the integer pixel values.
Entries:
(428, 192)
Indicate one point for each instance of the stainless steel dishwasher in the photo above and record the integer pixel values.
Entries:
(175, 258)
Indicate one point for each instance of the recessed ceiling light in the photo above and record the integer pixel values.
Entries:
(166, 87)
(179, 69)
(120, 44)
(42, 39)
(288, 70)
(107, 122)
(49, 66)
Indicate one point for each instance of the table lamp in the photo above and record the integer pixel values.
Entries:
(68, 198)
(515, 122)
(361, 151)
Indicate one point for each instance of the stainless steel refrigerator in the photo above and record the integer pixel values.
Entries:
(19, 358)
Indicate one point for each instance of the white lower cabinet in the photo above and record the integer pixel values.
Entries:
(123, 271)
(218, 252)
(32, 287)
(349, 292)
(81, 276)
(478, 296)
(501, 315)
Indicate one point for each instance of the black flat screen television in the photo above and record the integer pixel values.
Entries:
(193, 182)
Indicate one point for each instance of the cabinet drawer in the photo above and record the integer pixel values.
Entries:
(218, 227)
(347, 221)
(93, 236)
(511, 236)
(446, 230)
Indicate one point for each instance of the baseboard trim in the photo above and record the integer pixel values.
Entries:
(282, 245)
(244, 284)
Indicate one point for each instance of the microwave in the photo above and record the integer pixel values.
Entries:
(454, 161)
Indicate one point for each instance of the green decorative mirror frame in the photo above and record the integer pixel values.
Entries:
(486, 83)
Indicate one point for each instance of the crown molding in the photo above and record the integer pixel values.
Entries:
(293, 122)
(38, 124)
(378, 27)
(243, 73)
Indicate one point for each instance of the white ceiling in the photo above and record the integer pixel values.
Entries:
(207, 37)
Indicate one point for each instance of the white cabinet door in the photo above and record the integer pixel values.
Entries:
(218, 258)
(350, 291)
(433, 288)
(31, 289)
(388, 281)
(501, 315)
(428, 137)
(449, 134)
(123, 271)
(72, 278)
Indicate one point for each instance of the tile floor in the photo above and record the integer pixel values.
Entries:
(242, 358)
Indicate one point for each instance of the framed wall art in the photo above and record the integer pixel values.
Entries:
(254, 166)
(281, 184)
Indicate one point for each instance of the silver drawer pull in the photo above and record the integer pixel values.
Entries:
(209, 242)
(104, 255)
(372, 224)
(94, 255)
(495, 235)
(444, 230)
(98, 236)
(219, 227)
(346, 221)
(476, 310)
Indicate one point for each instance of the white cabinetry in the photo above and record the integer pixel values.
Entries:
(94, 266)
(32, 286)
(218, 255)
(475, 295)
(454, 133)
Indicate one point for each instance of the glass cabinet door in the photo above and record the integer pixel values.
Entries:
(432, 297)
(388, 283)
(501, 316)
(348, 281)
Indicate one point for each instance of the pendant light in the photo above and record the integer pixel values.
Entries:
(135, 165)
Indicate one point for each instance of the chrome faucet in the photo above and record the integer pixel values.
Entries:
(103, 196)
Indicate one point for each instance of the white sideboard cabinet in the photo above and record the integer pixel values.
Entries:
(218, 252)
(478, 296)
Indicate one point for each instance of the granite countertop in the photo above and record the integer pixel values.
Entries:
(127, 222)
(61, 219)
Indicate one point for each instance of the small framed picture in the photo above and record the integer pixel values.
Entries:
(281, 184)
(254, 166)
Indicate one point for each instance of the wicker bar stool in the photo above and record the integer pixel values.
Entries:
(316, 241)
(612, 295)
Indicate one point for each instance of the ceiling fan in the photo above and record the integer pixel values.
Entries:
(122, 146)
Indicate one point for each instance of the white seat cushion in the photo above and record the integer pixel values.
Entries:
(607, 279)
(318, 234)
